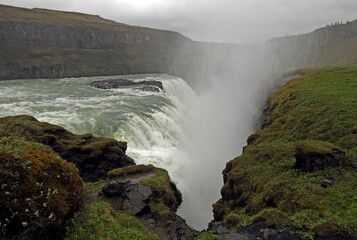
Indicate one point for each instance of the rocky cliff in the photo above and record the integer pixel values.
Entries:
(333, 44)
(298, 172)
(39, 43)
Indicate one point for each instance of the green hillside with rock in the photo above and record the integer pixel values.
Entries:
(299, 171)
(296, 178)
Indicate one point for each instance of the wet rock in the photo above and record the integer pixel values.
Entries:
(317, 155)
(136, 198)
(153, 86)
(114, 189)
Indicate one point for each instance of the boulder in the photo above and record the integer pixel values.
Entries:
(114, 189)
(317, 155)
(93, 156)
(136, 198)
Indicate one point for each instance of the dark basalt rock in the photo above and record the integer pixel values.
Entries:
(316, 155)
(136, 198)
(93, 156)
(114, 189)
(152, 86)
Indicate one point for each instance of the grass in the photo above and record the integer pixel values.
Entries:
(102, 218)
(102, 221)
(319, 106)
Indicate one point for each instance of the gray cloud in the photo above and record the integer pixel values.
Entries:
(240, 21)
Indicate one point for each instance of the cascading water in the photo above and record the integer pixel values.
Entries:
(190, 135)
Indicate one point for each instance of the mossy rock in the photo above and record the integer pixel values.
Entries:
(93, 156)
(317, 155)
(131, 171)
(39, 190)
(164, 191)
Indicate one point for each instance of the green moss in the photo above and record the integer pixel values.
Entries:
(102, 221)
(270, 216)
(316, 147)
(39, 190)
(316, 112)
(164, 190)
(129, 171)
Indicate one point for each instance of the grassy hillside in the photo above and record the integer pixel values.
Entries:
(314, 114)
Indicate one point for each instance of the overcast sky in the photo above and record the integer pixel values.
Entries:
(237, 21)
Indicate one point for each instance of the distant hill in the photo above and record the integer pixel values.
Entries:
(330, 45)
(40, 43)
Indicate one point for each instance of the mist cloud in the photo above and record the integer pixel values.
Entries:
(239, 21)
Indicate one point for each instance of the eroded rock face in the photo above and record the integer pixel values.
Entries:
(93, 156)
(134, 197)
(148, 192)
(317, 155)
(152, 86)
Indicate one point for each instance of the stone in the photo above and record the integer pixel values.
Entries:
(179, 229)
(136, 198)
(151, 222)
(222, 230)
(114, 189)
(328, 181)
(153, 86)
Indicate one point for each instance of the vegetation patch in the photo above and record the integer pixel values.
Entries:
(93, 156)
(314, 114)
(39, 190)
(101, 221)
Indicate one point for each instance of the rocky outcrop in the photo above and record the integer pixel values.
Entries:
(153, 86)
(39, 190)
(318, 155)
(93, 156)
(148, 192)
(135, 197)
(328, 45)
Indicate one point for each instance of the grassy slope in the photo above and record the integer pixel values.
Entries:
(62, 18)
(262, 181)
(101, 220)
